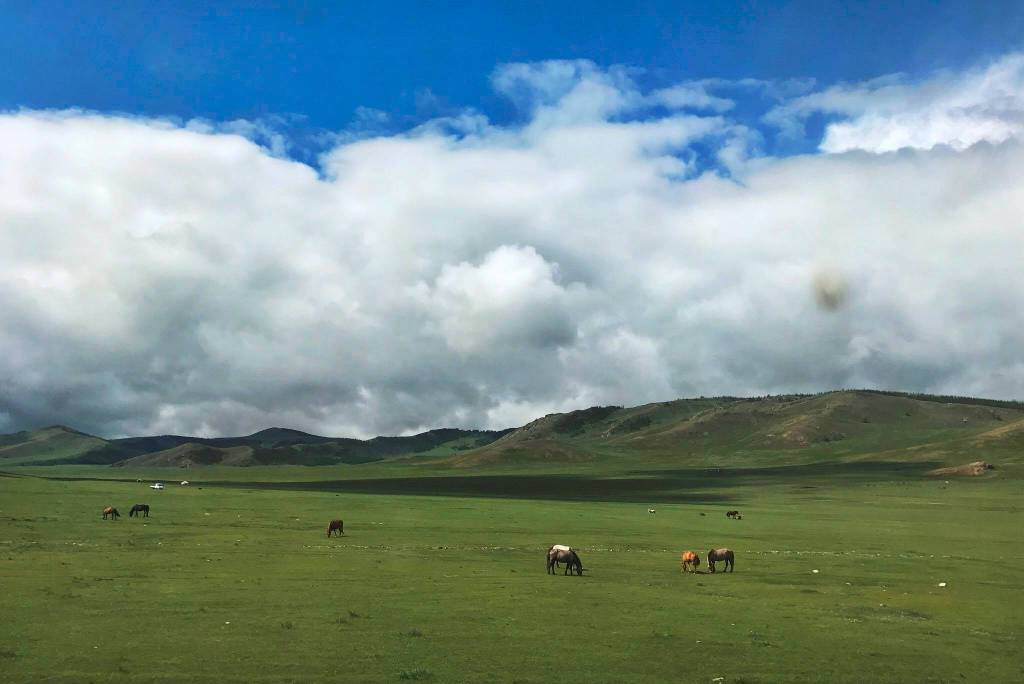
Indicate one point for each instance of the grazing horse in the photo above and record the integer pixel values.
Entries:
(112, 512)
(139, 510)
(731, 514)
(559, 547)
(564, 554)
(722, 555)
(338, 525)
(690, 561)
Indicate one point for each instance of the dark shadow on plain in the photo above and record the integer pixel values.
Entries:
(549, 487)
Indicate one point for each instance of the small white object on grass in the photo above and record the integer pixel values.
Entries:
(815, 571)
(942, 584)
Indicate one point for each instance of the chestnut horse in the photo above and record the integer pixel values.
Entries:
(338, 525)
(722, 555)
(112, 512)
(690, 561)
(564, 554)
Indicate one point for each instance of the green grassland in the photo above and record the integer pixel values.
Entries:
(441, 575)
(233, 579)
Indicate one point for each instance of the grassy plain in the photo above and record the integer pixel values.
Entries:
(238, 582)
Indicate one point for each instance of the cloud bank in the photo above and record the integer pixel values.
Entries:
(615, 246)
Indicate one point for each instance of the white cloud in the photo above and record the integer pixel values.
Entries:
(892, 113)
(160, 278)
(511, 298)
(690, 96)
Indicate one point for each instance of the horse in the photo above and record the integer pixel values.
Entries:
(559, 547)
(722, 555)
(139, 510)
(112, 512)
(690, 561)
(731, 514)
(564, 554)
(651, 510)
(338, 525)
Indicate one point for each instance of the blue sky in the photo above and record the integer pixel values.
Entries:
(384, 219)
(230, 60)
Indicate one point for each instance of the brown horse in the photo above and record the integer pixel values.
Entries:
(112, 512)
(690, 561)
(139, 510)
(722, 555)
(732, 514)
(336, 525)
(564, 554)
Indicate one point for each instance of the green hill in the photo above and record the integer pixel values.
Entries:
(54, 443)
(727, 431)
(841, 426)
(273, 446)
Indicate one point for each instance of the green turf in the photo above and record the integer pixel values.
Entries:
(239, 583)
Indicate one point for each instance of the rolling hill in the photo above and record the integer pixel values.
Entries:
(719, 431)
(843, 425)
(60, 445)
(51, 444)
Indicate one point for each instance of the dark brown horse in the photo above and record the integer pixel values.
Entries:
(139, 510)
(564, 554)
(732, 514)
(338, 525)
(112, 512)
(722, 555)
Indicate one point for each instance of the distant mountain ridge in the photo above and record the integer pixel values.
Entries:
(273, 446)
(844, 425)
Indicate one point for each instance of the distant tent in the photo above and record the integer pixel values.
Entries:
(184, 483)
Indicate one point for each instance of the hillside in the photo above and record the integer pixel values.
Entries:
(844, 425)
(48, 444)
(718, 431)
(273, 446)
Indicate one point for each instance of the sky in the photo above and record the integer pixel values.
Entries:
(387, 219)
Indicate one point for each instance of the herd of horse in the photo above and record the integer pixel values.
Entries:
(556, 555)
(137, 511)
(691, 561)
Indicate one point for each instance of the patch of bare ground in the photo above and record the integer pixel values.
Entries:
(968, 469)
